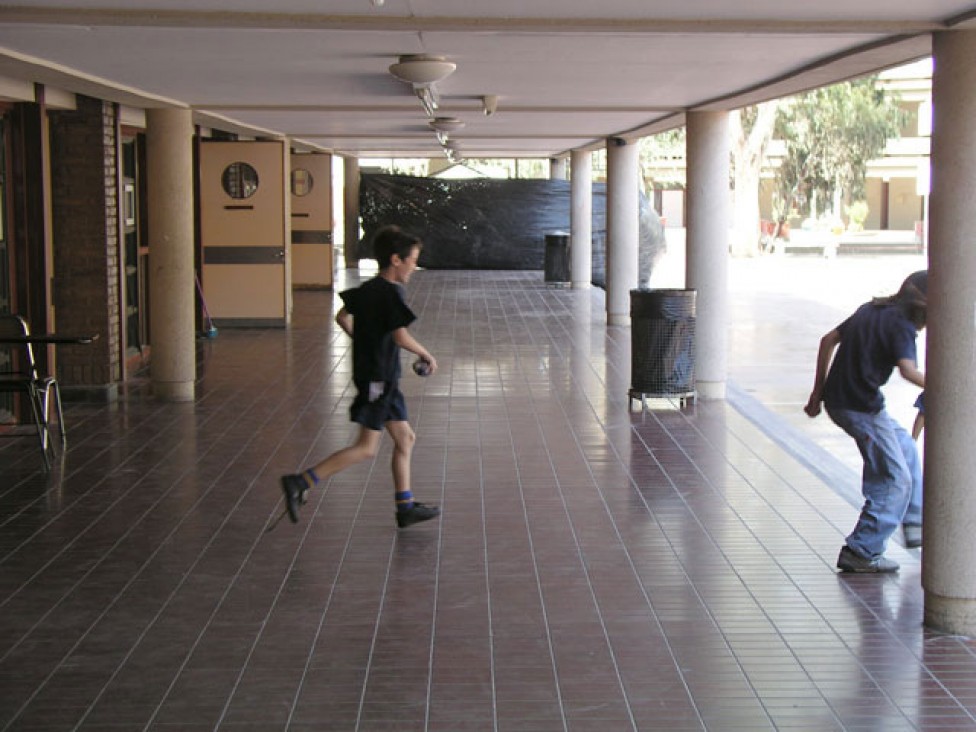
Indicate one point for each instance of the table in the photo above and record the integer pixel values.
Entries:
(39, 388)
(48, 338)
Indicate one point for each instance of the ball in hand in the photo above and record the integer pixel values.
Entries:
(421, 367)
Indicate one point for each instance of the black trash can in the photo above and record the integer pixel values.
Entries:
(557, 262)
(662, 356)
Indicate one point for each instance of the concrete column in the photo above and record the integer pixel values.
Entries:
(948, 572)
(169, 162)
(557, 169)
(351, 211)
(581, 219)
(623, 227)
(707, 251)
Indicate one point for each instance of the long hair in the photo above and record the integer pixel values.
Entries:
(392, 240)
(911, 298)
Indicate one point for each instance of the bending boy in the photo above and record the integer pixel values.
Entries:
(870, 344)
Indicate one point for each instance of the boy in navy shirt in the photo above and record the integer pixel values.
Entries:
(376, 317)
(870, 344)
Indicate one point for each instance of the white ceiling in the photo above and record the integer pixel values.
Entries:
(568, 73)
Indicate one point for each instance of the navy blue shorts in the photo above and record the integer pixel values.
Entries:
(377, 403)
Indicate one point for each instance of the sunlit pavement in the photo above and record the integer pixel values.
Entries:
(779, 307)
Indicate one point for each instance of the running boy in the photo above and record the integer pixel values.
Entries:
(376, 317)
(878, 337)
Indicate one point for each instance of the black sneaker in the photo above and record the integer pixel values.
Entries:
(849, 561)
(294, 487)
(415, 515)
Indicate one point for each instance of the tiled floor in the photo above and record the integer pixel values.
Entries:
(595, 569)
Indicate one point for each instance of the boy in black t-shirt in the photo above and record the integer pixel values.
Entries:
(875, 340)
(376, 317)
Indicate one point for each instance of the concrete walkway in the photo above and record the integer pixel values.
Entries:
(780, 307)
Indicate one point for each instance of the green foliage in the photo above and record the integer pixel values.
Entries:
(664, 154)
(830, 134)
(857, 214)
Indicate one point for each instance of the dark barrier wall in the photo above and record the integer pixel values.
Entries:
(490, 224)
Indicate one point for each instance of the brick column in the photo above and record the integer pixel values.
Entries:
(86, 246)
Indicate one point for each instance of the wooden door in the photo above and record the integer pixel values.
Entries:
(311, 220)
(244, 228)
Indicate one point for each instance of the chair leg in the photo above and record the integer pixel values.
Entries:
(57, 406)
(38, 408)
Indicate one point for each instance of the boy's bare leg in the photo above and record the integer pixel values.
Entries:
(409, 511)
(297, 485)
(403, 442)
(364, 448)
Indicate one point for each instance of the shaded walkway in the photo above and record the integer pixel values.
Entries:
(595, 569)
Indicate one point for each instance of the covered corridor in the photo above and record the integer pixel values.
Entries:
(595, 568)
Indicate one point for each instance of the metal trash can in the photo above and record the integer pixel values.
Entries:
(662, 357)
(557, 260)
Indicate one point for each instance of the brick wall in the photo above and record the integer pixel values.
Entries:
(85, 203)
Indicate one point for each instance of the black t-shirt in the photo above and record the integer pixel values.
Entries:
(378, 309)
(872, 342)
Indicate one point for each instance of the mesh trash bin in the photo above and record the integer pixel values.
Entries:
(557, 260)
(662, 358)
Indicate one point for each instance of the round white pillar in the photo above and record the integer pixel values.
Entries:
(557, 169)
(350, 208)
(169, 161)
(581, 218)
(707, 250)
(623, 227)
(949, 511)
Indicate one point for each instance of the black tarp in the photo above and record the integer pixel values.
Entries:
(488, 223)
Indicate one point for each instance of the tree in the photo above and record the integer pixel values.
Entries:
(751, 130)
(830, 134)
(662, 159)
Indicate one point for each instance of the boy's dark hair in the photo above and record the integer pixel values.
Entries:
(392, 240)
(911, 298)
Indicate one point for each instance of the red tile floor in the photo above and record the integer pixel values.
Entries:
(596, 568)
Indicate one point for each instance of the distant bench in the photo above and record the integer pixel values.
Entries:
(825, 244)
(801, 241)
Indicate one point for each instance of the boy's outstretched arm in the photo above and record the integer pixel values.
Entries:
(402, 337)
(918, 426)
(826, 352)
(344, 320)
(909, 372)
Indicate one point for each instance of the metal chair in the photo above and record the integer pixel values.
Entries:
(19, 374)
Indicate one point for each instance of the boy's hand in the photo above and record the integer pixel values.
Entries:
(812, 407)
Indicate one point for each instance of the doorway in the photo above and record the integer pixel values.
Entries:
(135, 254)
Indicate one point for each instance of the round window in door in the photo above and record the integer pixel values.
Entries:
(301, 182)
(239, 180)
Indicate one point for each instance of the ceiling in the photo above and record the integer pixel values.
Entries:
(567, 73)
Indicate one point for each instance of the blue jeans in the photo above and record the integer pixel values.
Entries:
(891, 481)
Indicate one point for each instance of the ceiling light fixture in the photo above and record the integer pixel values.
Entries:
(489, 103)
(452, 151)
(445, 124)
(377, 3)
(422, 69)
(429, 98)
